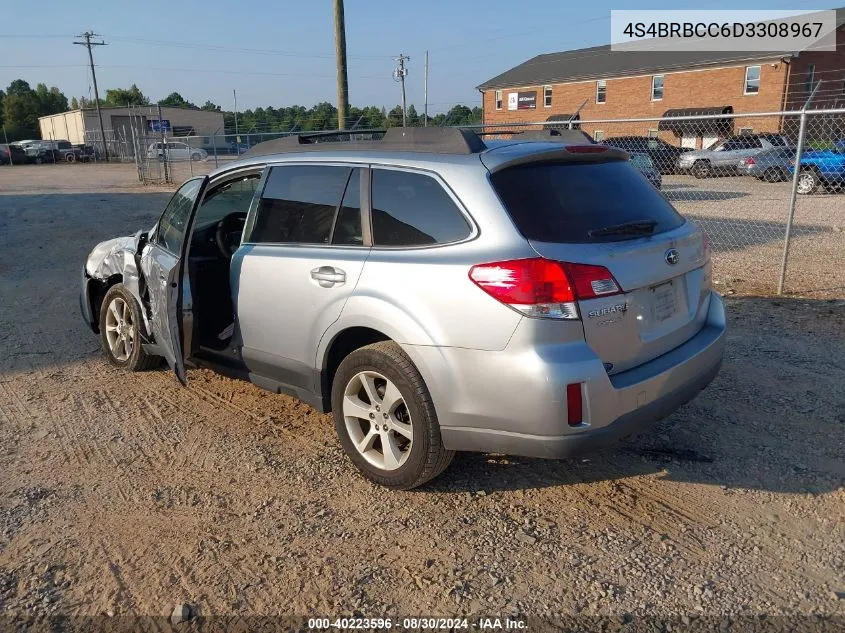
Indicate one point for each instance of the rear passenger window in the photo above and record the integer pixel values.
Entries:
(413, 209)
(299, 203)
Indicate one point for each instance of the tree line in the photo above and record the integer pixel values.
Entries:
(21, 105)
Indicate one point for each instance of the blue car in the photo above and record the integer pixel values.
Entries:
(821, 168)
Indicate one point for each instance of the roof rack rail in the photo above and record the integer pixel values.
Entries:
(413, 139)
(555, 135)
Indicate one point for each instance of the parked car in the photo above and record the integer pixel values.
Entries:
(663, 155)
(38, 152)
(771, 165)
(722, 159)
(646, 167)
(821, 168)
(87, 153)
(12, 155)
(174, 150)
(52, 152)
(344, 280)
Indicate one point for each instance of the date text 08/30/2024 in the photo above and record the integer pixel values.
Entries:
(420, 623)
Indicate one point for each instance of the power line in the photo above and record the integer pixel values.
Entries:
(88, 44)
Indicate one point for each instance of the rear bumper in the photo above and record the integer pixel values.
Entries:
(514, 401)
(631, 423)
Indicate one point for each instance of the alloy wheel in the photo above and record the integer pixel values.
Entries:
(120, 330)
(377, 420)
(806, 182)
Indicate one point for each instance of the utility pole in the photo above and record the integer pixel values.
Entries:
(237, 138)
(340, 56)
(425, 92)
(399, 75)
(88, 44)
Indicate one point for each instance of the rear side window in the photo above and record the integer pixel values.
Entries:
(298, 204)
(413, 209)
(564, 202)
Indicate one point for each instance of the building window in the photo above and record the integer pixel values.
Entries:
(547, 96)
(598, 135)
(752, 80)
(601, 91)
(745, 131)
(811, 76)
(657, 88)
(652, 134)
(498, 99)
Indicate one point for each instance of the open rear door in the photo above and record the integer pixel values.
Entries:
(164, 267)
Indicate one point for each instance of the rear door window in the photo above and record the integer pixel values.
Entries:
(565, 202)
(298, 204)
(413, 209)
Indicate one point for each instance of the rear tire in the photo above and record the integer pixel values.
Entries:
(120, 333)
(71, 158)
(702, 169)
(773, 174)
(196, 157)
(393, 437)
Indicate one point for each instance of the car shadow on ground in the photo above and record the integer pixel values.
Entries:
(750, 429)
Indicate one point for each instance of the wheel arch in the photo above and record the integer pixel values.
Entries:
(339, 347)
(95, 291)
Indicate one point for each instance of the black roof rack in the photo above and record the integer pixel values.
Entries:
(410, 139)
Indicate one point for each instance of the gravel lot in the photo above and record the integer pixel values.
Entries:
(128, 494)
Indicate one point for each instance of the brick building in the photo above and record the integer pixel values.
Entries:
(598, 83)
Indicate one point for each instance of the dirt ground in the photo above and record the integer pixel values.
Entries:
(127, 493)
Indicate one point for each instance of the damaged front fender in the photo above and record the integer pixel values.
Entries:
(110, 260)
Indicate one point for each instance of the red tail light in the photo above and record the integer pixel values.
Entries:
(574, 406)
(543, 288)
(585, 149)
(749, 161)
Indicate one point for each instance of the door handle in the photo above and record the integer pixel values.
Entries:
(328, 276)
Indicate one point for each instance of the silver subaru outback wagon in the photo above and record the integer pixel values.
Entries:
(436, 294)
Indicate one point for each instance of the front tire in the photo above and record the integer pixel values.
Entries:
(385, 419)
(195, 157)
(120, 333)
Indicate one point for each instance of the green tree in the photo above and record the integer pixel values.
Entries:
(174, 99)
(21, 109)
(74, 104)
(50, 100)
(412, 117)
(210, 106)
(125, 96)
(2, 96)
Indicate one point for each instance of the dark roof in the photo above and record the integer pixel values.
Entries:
(600, 62)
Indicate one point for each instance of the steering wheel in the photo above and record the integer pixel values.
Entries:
(228, 233)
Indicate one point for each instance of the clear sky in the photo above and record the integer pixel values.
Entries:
(281, 52)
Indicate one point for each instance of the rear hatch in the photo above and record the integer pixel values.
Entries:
(605, 213)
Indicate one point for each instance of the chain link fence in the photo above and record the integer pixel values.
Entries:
(771, 229)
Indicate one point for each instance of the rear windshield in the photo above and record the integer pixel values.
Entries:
(565, 202)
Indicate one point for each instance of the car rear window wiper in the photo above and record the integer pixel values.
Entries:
(640, 227)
